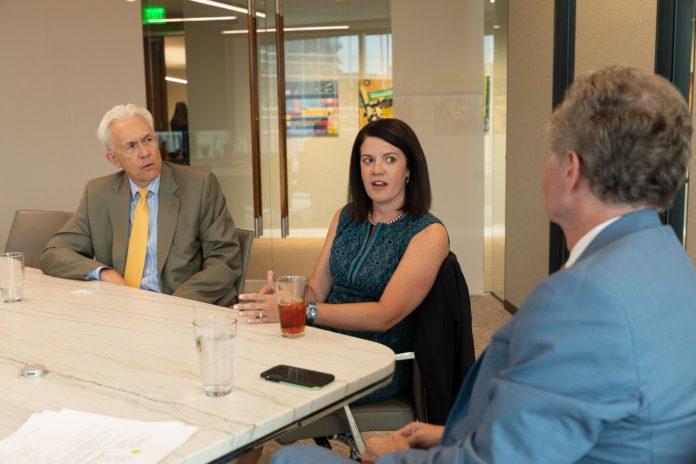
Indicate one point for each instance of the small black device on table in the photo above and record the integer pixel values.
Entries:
(297, 376)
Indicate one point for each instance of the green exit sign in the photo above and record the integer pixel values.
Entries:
(154, 14)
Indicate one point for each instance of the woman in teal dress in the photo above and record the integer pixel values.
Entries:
(382, 252)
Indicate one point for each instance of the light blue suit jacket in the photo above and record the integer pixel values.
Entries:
(598, 365)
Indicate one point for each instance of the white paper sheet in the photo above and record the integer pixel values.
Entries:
(70, 436)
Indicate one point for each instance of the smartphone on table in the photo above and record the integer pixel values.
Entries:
(297, 376)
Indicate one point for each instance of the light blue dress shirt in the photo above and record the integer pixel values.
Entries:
(150, 280)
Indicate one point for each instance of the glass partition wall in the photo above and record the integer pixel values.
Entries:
(335, 76)
(495, 116)
(335, 80)
(206, 71)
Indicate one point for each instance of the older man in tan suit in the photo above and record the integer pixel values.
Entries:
(153, 225)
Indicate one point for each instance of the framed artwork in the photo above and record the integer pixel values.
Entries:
(376, 100)
(311, 108)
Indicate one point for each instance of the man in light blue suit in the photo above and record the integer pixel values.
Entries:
(598, 364)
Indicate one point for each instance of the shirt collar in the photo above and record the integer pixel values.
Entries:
(153, 186)
(585, 241)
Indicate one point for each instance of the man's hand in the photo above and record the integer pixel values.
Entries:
(111, 276)
(378, 446)
(422, 435)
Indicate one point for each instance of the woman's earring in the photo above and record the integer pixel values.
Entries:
(407, 178)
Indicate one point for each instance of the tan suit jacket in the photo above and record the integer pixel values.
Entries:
(198, 254)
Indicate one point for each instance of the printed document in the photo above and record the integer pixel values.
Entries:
(70, 436)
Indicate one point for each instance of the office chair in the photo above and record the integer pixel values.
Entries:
(246, 240)
(444, 352)
(31, 230)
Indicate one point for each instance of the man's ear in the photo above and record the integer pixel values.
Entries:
(113, 159)
(573, 170)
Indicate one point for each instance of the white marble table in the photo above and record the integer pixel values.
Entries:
(130, 353)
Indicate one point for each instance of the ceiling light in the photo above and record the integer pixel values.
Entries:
(183, 20)
(228, 7)
(244, 31)
(292, 29)
(496, 26)
(316, 28)
(176, 80)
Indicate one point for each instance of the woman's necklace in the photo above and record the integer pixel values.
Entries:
(401, 214)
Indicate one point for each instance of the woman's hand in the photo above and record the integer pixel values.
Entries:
(262, 306)
(268, 286)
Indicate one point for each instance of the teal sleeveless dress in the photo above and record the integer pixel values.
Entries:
(360, 272)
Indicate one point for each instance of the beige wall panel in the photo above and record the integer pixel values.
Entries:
(691, 206)
(615, 32)
(530, 59)
(63, 65)
(438, 90)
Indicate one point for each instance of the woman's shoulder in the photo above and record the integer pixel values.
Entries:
(346, 216)
(425, 220)
(427, 226)
(347, 210)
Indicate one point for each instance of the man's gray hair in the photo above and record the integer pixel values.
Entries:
(632, 132)
(118, 113)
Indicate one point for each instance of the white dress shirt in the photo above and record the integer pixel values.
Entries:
(585, 241)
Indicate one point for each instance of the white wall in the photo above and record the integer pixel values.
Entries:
(62, 65)
(438, 90)
(495, 265)
(499, 113)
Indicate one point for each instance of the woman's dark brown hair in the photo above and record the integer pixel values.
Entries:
(399, 134)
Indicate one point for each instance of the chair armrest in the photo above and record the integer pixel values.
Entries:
(418, 391)
(405, 356)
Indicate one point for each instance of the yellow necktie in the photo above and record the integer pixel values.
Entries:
(137, 244)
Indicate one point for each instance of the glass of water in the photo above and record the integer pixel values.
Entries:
(12, 276)
(216, 337)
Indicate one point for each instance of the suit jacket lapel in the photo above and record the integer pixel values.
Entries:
(119, 214)
(168, 205)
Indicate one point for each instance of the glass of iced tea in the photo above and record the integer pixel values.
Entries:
(292, 305)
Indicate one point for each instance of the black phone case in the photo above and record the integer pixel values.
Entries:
(297, 376)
